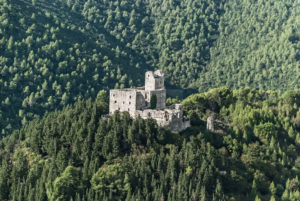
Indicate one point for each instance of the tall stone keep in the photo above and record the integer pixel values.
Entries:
(137, 102)
(154, 80)
(154, 85)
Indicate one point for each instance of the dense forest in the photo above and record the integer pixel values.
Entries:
(77, 154)
(54, 52)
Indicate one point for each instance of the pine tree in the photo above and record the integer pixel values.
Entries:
(272, 188)
(257, 198)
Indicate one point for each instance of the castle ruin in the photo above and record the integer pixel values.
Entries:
(139, 102)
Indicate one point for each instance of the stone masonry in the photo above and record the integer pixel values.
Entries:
(136, 101)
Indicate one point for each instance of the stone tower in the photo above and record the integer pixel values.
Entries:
(210, 124)
(154, 80)
(154, 85)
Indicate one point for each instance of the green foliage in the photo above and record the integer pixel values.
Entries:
(110, 179)
(292, 97)
(53, 53)
(76, 154)
(153, 101)
(247, 53)
(260, 135)
(66, 186)
(114, 158)
(211, 101)
(171, 101)
(266, 131)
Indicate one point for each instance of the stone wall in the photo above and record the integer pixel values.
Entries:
(169, 118)
(210, 123)
(179, 124)
(140, 100)
(123, 100)
(158, 115)
(161, 98)
(154, 80)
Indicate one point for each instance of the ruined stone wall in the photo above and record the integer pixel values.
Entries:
(161, 98)
(149, 81)
(158, 115)
(140, 100)
(159, 83)
(123, 100)
(179, 124)
(154, 80)
(210, 123)
(169, 118)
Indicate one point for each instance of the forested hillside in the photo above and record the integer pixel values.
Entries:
(53, 52)
(74, 154)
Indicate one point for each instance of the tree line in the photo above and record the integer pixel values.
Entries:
(79, 154)
(52, 53)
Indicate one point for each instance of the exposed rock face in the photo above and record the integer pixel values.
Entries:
(137, 103)
(210, 123)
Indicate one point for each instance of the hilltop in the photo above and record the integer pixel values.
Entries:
(53, 52)
(74, 154)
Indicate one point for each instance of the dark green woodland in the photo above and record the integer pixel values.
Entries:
(53, 52)
(77, 154)
(59, 58)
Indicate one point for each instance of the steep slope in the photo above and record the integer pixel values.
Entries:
(52, 52)
(258, 46)
(50, 56)
(74, 154)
